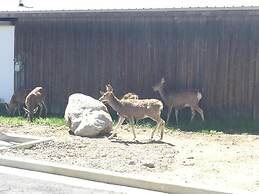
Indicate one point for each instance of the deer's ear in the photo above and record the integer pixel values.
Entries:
(101, 92)
(109, 88)
(163, 80)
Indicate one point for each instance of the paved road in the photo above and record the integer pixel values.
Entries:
(16, 181)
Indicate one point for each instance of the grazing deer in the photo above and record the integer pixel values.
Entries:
(16, 103)
(34, 99)
(134, 109)
(179, 101)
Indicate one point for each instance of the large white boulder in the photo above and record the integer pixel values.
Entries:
(86, 116)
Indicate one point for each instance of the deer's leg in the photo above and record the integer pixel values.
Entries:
(13, 113)
(41, 108)
(132, 122)
(121, 120)
(25, 113)
(14, 110)
(168, 114)
(45, 107)
(160, 123)
(154, 130)
(19, 109)
(193, 114)
(176, 115)
(200, 111)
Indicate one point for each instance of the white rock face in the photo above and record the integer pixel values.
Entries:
(86, 116)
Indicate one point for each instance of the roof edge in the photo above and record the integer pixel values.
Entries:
(242, 8)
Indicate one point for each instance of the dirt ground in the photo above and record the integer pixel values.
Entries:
(212, 160)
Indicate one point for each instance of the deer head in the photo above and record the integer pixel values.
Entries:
(159, 85)
(30, 113)
(109, 88)
(106, 96)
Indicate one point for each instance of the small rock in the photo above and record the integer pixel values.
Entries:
(132, 162)
(149, 165)
(190, 157)
(188, 164)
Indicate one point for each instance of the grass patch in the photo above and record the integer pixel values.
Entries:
(18, 121)
(210, 126)
(51, 121)
(14, 121)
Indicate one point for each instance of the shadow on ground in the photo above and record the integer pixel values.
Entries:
(212, 125)
(127, 142)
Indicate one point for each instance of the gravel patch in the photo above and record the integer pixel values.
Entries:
(219, 160)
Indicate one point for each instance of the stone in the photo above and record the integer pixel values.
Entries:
(86, 116)
(149, 164)
(132, 162)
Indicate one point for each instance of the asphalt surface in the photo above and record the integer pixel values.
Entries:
(18, 181)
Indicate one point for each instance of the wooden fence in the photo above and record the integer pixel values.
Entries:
(213, 51)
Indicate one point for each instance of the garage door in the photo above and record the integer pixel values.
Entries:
(6, 61)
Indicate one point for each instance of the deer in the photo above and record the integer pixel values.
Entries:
(34, 99)
(129, 95)
(134, 109)
(179, 101)
(16, 103)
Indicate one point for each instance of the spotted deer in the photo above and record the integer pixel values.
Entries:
(134, 109)
(129, 95)
(179, 101)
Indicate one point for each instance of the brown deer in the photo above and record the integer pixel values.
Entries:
(34, 99)
(134, 109)
(129, 95)
(179, 101)
(16, 103)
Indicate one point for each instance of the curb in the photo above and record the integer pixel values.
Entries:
(34, 140)
(104, 176)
